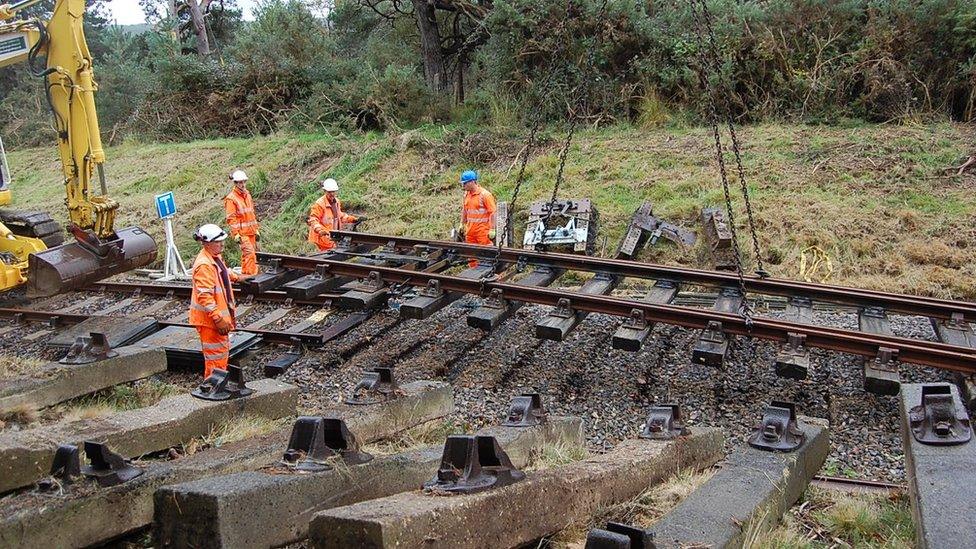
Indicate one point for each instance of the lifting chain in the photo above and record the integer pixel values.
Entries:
(713, 50)
(703, 66)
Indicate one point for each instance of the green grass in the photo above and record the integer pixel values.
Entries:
(119, 398)
(867, 194)
(825, 518)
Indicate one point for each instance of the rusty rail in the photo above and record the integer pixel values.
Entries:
(55, 318)
(924, 353)
(893, 303)
(183, 291)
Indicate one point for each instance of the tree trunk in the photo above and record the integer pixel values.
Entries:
(199, 28)
(435, 66)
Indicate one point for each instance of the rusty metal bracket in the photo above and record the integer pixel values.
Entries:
(378, 385)
(525, 411)
(372, 283)
(619, 536)
(88, 349)
(316, 440)
(107, 467)
(432, 289)
(664, 422)
(778, 431)
(495, 300)
(223, 385)
(636, 321)
(793, 359)
(887, 359)
(940, 419)
(472, 464)
(65, 467)
(711, 346)
(564, 309)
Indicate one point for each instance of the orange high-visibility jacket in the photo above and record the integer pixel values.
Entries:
(478, 208)
(211, 298)
(323, 218)
(240, 213)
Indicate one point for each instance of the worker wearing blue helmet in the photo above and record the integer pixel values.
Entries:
(477, 213)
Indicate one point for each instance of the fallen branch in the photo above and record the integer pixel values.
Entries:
(961, 169)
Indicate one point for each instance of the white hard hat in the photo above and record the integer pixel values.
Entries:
(209, 233)
(238, 175)
(330, 185)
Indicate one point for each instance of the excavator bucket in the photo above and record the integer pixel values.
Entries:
(87, 260)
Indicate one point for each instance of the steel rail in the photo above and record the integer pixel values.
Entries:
(58, 318)
(943, 309)
(924, 353)
(183, 291)
(858, 483)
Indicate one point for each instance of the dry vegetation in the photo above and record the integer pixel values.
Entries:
(139, 394)
(241, 428)
(13, 366)
(877, 198)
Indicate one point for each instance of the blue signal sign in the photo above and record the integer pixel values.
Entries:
(165, 205)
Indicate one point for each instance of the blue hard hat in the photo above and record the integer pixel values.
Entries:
(469, 176)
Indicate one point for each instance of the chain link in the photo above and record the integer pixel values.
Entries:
(703, 66)
(706, 18)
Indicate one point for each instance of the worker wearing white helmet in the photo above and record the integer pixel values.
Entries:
(243, 222)
(212, 307)
(327, 215)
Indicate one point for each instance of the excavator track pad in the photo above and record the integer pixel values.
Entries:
(33, 224)
(88, 260)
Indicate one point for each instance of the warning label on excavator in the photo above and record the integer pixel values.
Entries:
(165, 205)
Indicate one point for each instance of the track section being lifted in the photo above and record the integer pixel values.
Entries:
(913, 351)
(183, 291)
(56, 318)
(854, 297)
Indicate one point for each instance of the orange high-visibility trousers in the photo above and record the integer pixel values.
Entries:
(477, 233)
(216, 350)
(249, 258)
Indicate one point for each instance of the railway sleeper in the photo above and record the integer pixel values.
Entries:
(793, 359)
(713, 344)
(940, 464)
(410, 519)
(632, 334)
(563, 319)
(280, 503)
(880, 373)
(496, 309)
(25, 456)
(81, 518)
(755, 486)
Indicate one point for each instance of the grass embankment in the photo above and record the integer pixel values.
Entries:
(875, 198)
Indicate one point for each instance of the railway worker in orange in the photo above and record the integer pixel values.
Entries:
(327, 215)
(243, 222)
(477, 213)
(212, 306)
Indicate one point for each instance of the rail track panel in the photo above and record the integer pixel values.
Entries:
(500, 292)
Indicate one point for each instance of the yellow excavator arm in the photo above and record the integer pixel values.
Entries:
(71, 93)
(69, 85)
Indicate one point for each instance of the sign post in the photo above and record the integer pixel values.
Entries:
(173, 267)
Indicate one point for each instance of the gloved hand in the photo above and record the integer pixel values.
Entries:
(257, 237)
(460, 230)
(321, 231)
(491, 234)
(223, 327)
(237, 237)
